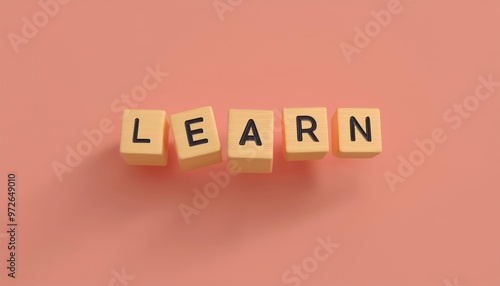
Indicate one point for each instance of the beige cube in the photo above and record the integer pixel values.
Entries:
(356, 132)
(144, 137)
(196, 138)
(305, 133)
(250, 139)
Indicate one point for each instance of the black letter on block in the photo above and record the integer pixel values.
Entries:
(309, 131)
(354, 123)
(136, 133)
(190, 132)
(255, 137)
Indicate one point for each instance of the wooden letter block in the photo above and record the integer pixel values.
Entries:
(196, 138)
(356, 132)
(305, 133)
(250, 136)
(144, 137)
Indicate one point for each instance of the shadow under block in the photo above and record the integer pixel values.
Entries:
(196, 138)
(305, 133)
(250, 139)
(144, 137)
(356, 132)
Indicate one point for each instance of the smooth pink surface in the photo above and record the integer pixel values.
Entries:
(441, 226)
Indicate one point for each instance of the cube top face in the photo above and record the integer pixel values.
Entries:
(357, 131)
(259, 143)
(196, 138)
(250, 140)
(305, 133)
(144, 137)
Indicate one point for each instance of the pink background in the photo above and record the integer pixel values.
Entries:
(441, 226)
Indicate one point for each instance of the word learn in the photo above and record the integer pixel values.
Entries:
(355, 132)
